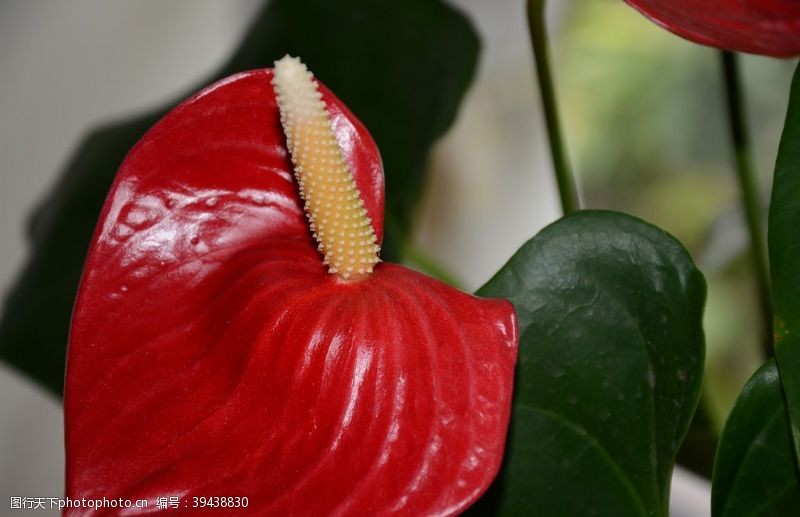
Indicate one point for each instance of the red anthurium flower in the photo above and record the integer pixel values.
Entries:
(769, 27)
(218, 350)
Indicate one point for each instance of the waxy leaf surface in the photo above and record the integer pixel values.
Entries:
(769, 27)
(610, 367)
(401, 67)
(784, 259)
(212, 353)
(755, 473)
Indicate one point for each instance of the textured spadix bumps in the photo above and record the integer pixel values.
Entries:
(213, 354)
(333, 204)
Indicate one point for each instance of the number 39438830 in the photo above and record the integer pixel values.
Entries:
(220, 502)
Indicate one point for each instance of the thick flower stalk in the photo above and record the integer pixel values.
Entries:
(218, 350)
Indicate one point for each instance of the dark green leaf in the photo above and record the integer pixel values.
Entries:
(401, 67)
(784, 259)
(755, 473)
(610, 367)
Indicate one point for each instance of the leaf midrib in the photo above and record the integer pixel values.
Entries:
(599, 449)
(747, 454)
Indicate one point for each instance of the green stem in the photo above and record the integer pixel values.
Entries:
(749, 190)
(541, 53)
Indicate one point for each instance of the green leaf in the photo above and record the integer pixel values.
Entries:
(784, 259)
(756, 469)
(755, 473)
(401, 67)
(610, 367)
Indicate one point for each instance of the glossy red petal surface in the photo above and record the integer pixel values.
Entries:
(212, 355)
(769, 27)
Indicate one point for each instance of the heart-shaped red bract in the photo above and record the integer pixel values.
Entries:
(212, 355)
(768, 27)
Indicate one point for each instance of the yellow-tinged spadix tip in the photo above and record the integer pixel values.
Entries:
(333, 203)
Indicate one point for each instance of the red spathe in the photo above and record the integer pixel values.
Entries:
(211, 354)
(768, 27)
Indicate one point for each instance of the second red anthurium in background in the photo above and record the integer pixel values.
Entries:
(235, 334)
(768, 27)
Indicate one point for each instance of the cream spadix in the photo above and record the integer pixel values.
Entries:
(236, 364)
(332, 202)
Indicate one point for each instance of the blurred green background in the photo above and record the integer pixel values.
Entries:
(646, 119)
